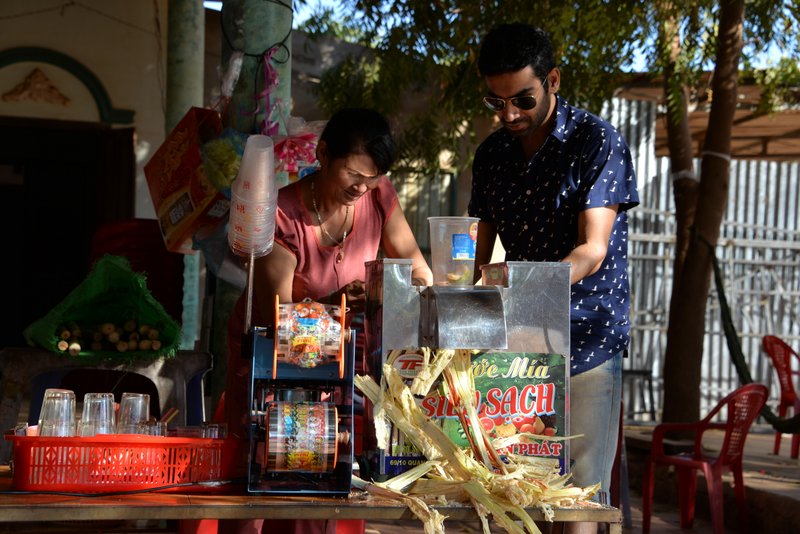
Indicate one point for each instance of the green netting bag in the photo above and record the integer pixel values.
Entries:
(111, 314)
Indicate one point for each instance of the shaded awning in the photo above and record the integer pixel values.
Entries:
(774, 136)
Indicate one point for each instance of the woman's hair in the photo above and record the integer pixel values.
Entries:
(360, 131)
(512, 47)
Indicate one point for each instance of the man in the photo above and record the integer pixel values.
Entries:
(554, 184)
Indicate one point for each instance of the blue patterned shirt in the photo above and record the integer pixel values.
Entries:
(534, 205)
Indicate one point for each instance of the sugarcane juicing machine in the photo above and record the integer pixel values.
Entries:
(517, 321)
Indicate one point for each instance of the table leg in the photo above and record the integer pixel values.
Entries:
(197, 526)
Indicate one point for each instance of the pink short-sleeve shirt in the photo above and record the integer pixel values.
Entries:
(317, 273)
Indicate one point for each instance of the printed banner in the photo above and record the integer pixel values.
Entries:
(516, 393)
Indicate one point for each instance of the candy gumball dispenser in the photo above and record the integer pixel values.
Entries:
(301, 387)
(302, 411)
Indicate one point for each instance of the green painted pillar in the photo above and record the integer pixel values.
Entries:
(255, 27)
(185, 58)
(252, 27)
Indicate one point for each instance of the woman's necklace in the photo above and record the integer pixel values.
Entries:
(340, 244)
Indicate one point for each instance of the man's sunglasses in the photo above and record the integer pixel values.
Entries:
(524, 102)
(497, 104)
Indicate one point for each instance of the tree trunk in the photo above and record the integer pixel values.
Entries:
(679, 141)
(686, 331)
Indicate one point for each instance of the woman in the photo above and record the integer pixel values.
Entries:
(328, 225)
(332, 221)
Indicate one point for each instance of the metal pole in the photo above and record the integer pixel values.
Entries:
(255, 28)
(248, 315)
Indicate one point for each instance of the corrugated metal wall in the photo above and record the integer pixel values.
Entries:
(422, 196)
(759, 250)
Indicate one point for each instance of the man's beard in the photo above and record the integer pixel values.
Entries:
(532, 123)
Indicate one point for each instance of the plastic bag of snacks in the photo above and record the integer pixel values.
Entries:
(110, 314)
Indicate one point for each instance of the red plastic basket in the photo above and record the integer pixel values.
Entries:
(117, 462)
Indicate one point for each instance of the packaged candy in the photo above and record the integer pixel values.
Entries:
(308, 333)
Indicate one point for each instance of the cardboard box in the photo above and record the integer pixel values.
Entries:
(185, 201)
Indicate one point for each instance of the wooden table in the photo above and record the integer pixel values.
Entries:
(43, 508)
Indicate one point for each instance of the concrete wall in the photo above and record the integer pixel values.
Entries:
(123, 43)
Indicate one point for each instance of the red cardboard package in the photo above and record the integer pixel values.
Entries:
(186, 202)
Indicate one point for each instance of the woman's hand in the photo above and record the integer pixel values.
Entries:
(356, 296)
(398, 242)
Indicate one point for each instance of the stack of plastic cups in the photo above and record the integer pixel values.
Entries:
(254, 197)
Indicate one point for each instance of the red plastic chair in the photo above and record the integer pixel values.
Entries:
(743, 406)
(781, 355)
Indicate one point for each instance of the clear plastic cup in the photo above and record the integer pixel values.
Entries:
(254, 197)
(256, 177)
(134, 413)
(251, 227)
(98, 414)
(453, 241)
(57, 417)
(215, 430)
(157, 428)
